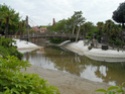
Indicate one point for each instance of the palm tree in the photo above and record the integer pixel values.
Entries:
(77, 21)
(86, 28)
(9, 19)
(109, 24)
(100, 27)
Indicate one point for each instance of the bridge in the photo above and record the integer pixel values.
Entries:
(49, 35)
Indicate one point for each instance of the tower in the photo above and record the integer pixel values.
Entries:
(54, 22)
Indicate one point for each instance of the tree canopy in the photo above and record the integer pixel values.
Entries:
(9, 20)
(119, 14)
(77, 20)
(108, 30)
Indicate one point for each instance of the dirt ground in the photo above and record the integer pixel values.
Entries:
(67, 83)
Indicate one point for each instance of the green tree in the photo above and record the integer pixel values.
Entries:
(119, 14)
(100, 27)
(60, 26)
(77, 20)
(7, 48)
(69, 25)
(113, 33)
(109, 24)
(88, 30)
(21, 28)
(9, 20)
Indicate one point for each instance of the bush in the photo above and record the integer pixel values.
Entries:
(113, 90)
(12, 81)
(6, 48)
(104, 47)
(6, 42)
(56, 40)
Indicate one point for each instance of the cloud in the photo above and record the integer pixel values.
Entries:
(41, 12)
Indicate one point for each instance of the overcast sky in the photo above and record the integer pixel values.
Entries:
(41, 12)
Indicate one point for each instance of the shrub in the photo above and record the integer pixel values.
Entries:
(113, 90)
(104, 47)
(12, 81)
(6, 48)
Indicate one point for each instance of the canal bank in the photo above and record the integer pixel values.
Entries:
(69, 71)
(67, 83)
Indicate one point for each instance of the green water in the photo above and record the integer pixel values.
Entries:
(65, 61)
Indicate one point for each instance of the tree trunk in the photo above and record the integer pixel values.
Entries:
(77, 36)
(7, 26)
(73, 30)
(123, 26)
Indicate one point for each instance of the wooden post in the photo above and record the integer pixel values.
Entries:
(27, 26)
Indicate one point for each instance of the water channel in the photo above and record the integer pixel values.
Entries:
(62, 60)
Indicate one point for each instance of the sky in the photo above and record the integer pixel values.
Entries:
(42, 12)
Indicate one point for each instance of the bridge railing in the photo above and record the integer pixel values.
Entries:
(50, 35)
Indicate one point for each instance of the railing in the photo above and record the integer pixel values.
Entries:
(51, 35)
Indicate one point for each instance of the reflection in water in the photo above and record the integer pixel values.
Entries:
(37, 58)
(89, 73)
(57, 59)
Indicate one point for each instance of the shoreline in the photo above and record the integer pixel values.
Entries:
(97, 54)
(67, 83)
